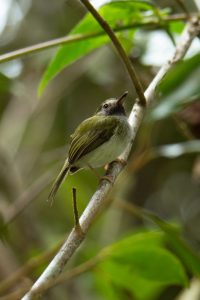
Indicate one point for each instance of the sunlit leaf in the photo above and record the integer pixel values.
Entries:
(153, 239)
(117, 13)
(176, 27)
(113, 274)
(152, 262)
(141, 265)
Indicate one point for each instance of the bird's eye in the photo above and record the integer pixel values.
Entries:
(105, 105)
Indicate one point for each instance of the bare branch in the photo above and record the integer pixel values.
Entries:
(98, 200)
(153, 22)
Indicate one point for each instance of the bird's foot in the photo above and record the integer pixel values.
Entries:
(117, 160)
(122, 161)
(108, 178)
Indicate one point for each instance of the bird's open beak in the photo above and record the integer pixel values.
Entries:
(121, 99)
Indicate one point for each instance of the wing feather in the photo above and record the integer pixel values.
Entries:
(92, 133)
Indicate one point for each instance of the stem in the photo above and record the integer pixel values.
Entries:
(84, 267)
(183, 7)
(75, 209)
(76, 214)
(99, 198)
(122, 53)
(79, 37)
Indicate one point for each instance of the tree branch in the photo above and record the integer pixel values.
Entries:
(122, 53)
(98, 200)
(153, 22)
(24, 200)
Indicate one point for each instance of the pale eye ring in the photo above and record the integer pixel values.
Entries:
(105, 105)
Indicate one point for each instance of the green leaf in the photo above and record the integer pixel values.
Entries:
(145, 255)
(105, 286)
(114, 275)
(125, 246)
(187, 255)
(117, 13)
(154, 264)
(140, 265)
(176, 27)
(180, 86)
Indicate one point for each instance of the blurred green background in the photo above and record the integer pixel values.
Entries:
(163, 175)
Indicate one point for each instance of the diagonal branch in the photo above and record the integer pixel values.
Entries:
(98, 200)
(122, 53)
(151, 22)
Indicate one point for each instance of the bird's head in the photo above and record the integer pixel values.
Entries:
(112, 107)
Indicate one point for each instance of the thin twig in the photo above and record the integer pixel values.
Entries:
(75, 209)
(153, 22)
(122, 53)
(99, 198)
(27, 197)
(16, 295)
(76, 214)
(70, 274)
(26, 269)
(183, 7)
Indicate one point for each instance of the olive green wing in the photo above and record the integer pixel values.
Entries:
(92, 133)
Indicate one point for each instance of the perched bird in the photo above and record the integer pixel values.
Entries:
(97, 141)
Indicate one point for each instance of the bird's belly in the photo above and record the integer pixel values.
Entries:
(105, 153)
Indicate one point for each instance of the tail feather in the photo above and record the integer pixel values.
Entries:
(58, 181)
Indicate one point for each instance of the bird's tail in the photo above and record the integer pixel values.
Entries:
(58, 181)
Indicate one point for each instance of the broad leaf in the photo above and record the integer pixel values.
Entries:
(140, 265)
(189, 258)
(111, 275)
(154, 264)
(117, 13)
(152, 238)
(145, 254)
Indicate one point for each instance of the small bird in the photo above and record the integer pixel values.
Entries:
(97, 141)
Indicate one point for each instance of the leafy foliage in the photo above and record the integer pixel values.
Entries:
(131, 264)
(189, 258)
(130, 12)
(147, 264)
